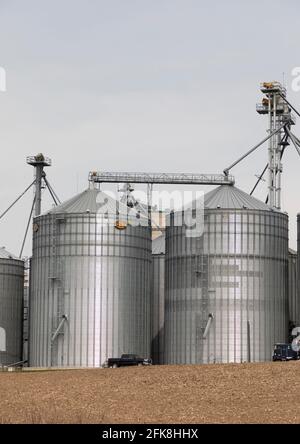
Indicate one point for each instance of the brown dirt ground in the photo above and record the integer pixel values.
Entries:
(232, 393)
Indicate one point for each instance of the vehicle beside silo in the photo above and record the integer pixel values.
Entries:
(158, 299)
(90, 283)
(227, 290)
(11, 308)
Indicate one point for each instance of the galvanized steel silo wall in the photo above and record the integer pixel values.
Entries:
(90, 291)
(237, 273)
(158, 299)
(293, 293)
(298, 267)
(11, 309)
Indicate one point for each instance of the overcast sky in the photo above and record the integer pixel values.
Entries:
(140, 85)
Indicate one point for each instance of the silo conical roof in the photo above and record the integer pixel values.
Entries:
(95, 202)
(4, 254)
(230, 197)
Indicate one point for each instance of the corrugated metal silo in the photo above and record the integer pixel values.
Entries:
(90, 283)
(11, 308)
(158, 299)
(230, 283)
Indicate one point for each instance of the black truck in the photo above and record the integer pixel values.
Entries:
(126, 360)
(285, 352)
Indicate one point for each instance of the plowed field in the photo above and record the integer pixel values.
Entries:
(232, 393)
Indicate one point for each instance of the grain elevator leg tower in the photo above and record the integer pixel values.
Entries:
(39, 162)
(279, 113)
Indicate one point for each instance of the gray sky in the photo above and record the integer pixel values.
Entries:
(156, 85)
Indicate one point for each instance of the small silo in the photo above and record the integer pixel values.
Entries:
(90, 283)
(227, 290)
(293, 294)
(11, 308)
(158, 299)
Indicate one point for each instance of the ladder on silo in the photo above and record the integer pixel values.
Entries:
(204, 318)
(56, 278)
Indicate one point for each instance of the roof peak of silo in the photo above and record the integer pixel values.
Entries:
(92, 201)
(231, 197)
(4, 254)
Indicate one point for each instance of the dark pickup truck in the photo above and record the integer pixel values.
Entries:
(285, 352)
(126, 360)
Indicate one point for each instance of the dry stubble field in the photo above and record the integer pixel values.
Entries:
(232, 393)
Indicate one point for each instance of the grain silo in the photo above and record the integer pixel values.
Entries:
(11, 308)
(158, 299)
(293, 293)
(226, 290)
(90, 283)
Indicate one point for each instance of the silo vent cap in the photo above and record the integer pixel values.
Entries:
(39, 157)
